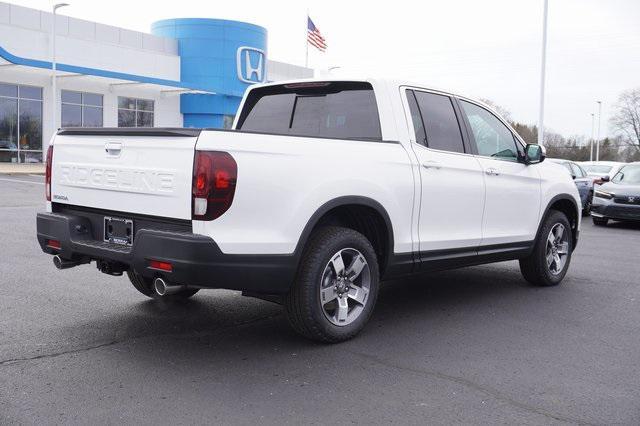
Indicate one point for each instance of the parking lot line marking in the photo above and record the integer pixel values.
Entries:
(22, 181)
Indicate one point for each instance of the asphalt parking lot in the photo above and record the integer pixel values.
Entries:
(476, 345)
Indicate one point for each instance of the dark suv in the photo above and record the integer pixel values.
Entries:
(583, 182)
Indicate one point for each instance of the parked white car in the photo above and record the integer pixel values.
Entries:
(601, 169)
(322, 190)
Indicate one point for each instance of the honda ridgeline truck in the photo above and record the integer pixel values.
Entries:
(321, 190)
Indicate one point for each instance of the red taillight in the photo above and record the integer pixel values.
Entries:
(163, 266)
(214, 184)
(54, 244)
(47, 173)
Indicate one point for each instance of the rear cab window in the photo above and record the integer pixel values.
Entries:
(434, 119)
(338, 110)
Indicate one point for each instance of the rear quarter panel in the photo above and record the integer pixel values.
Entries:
(284, 180)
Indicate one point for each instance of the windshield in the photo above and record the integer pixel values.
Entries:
(629, 175)
(591, 169)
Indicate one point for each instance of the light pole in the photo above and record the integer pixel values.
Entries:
(593, 118)
(598, 138)
(542, 73)
(54, 102)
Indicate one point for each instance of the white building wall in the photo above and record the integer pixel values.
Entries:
(26, 33)
(277, 71)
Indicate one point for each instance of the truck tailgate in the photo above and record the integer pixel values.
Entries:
(125, 170)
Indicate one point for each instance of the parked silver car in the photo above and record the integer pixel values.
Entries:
(618, 199)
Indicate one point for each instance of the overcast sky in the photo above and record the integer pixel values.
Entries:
(479, 48)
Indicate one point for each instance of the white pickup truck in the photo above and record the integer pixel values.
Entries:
(321, 190)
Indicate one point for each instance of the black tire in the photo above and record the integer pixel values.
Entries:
(302, 304)
(587, 205)
(600, 221)
(534, 268)
(145, 286)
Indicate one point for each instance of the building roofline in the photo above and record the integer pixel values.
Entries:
(37, 63)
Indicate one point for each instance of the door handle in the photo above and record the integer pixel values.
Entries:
(491, 171)
(431, 165)
(113, 148)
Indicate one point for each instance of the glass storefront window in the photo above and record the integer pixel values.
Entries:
(134, 112)
(9, 90)
(80, 109)
(20, 123)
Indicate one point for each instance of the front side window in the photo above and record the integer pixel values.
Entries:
(20, 123)
(133, 112)
(342, 110)
(81, 109)
(440, 122)
(492, 137)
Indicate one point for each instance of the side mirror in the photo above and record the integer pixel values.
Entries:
(605, 178)
(534, 153)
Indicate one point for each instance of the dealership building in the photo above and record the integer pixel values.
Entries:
(185, 73)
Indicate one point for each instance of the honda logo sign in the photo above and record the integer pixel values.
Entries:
(251, 65)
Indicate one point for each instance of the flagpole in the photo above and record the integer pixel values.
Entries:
(306, 42)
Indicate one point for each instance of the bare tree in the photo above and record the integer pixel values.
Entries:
(626, 119)
(504, 113)
(527, 132)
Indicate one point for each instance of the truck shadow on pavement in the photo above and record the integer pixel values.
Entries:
(220, 321)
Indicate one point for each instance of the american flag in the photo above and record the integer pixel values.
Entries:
(314, 37)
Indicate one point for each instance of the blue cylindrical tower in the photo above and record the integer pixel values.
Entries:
(222, 56)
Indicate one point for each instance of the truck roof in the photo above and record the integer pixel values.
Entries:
(375, 81)
(391, 82)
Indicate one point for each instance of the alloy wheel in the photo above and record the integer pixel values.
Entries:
(557, 250)
(344, 290)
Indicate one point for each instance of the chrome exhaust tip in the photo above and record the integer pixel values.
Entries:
(163, 288)
(61, 263)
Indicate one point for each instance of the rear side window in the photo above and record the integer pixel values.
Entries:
(343, 110)
(418, 126)
(439, 121)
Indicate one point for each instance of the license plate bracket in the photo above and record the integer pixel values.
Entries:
(118, 230)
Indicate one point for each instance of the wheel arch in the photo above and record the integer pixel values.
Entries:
(360, 213)
(566, 204)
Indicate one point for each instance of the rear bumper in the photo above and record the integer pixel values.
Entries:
(196, 260)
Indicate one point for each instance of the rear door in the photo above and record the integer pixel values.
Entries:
(512, 203)
(452, 183)
(143, 171)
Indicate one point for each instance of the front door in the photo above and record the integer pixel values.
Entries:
(512, 203)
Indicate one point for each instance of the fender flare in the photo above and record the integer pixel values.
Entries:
(343, 201)
(553, 200)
